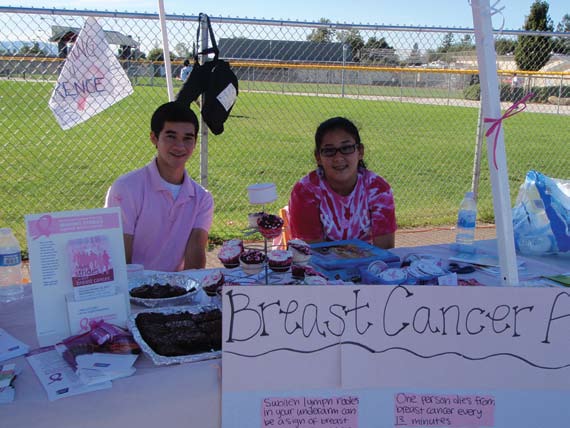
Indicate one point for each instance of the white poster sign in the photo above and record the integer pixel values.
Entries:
(469, 354)
(62, 269)
(91, 80)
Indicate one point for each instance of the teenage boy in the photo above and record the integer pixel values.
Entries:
(166, 215)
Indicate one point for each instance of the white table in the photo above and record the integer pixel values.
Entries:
(187, 395)
(534, 267)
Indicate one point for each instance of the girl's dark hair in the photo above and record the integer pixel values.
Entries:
(173, 111)
(333, 124)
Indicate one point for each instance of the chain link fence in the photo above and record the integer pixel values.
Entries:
(413, 93)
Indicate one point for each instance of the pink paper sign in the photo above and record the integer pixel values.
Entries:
(413, 410)
(47, 225)
(305, 412)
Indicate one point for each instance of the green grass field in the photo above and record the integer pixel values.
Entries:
(424, 151)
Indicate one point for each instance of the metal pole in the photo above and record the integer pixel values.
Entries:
(559, 95)
(477, 158)
(165, 50)
(497, 158)
(203, 126)
(344, 49)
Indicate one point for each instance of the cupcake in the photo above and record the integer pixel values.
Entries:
(252, 219)
(301, 251)
(212, 283)
(279, 260)
(251, 261)
(234, 243)
(229, 255)
(269, 225)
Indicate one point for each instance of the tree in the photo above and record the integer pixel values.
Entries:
(505, 46)
(449, 46)
(446, 43)
(32, 50)
(564, 25)
(533, 52)
(415, 57)
(562, 45)
(182, 50)
(379, 51)
(322, 34)
(156, 54)
(352, 38)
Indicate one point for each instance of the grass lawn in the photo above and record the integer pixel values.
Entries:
(424, 151)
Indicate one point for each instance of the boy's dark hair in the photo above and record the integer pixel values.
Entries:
(333, 124)
(186, 63)
(172, 112)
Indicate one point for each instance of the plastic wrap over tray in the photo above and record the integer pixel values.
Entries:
(165, 360)
(179, 279)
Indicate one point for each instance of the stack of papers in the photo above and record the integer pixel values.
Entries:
(56, 376)
(8, 373)
(91, 372)
(97, 367)
(10, 347)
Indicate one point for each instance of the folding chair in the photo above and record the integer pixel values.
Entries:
(281, 240)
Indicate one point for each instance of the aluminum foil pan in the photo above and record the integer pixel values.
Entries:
(179, 279)
(161, 360)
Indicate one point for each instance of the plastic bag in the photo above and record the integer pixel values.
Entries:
(541, 215)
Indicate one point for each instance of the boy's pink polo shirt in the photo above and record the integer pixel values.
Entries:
(159, 224)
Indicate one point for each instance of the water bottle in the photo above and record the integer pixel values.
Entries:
(465, 235)
(10, 267)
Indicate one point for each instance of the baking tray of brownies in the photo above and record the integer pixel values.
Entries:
(178, 334)
(163, 289)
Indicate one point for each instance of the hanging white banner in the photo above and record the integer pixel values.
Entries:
(91, 80)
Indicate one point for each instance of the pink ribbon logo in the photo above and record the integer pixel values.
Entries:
(516, 108)
(43, 226)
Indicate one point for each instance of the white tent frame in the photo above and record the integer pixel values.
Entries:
(496, 155)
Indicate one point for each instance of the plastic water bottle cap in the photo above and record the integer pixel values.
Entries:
(470, 195)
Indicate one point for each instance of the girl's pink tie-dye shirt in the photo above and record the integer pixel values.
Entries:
(317, 213)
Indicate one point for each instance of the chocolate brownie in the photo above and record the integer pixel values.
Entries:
(158, 291)
(181, 333)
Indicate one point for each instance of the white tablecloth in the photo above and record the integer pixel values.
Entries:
(187, 395)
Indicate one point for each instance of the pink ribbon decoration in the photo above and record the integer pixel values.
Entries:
(43, 227)
(516, 108)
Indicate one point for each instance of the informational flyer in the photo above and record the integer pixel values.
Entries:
(57, 377)
(91, 267)
(73, 252)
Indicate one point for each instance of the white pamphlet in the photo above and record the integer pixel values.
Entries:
(10, 347)
(57, 377)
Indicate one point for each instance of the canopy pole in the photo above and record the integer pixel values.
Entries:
(165, 50)
(487, 61)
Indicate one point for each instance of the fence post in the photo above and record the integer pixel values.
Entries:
(448, 87)
(401, 86)
(344, 49)
(559, 95)
(203, 127)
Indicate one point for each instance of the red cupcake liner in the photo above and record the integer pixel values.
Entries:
(269, 233)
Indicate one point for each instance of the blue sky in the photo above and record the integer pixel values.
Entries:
(441, 13)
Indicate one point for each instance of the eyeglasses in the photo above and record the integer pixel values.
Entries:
(329, 152)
